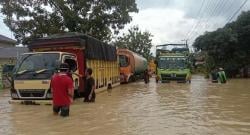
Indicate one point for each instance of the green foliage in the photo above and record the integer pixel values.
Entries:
(227, 47)
(136, 41)
(38, 18)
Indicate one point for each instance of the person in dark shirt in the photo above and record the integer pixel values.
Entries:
(214, 75)
(62, 90)
(89, 87)
(146, 76)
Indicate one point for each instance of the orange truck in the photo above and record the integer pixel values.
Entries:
(132, 65)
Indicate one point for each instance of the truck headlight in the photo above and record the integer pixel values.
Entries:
(14, 95)
(49, 95)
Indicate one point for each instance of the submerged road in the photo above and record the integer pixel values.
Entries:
(201, 108)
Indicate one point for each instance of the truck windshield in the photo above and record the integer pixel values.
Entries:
(37, 66)
(123, 60)
(172, 63)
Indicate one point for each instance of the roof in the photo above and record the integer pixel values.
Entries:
(7, 40)
(95, 49)
(12, 52)
(61, 39)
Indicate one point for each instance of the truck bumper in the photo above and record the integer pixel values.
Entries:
(173, 77)
(123, 79)
(31, 102)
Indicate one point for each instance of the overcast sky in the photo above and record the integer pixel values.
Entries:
(172, 21)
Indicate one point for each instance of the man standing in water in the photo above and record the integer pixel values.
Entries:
(89, 87)
(222, 76)
(146, 76)
(62, 90)
(214, 75)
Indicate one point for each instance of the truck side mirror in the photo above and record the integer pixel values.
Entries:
(7, 70)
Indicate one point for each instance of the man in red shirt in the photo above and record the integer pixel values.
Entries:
(62, 89)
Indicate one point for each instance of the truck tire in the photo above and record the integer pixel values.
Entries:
(131, 79)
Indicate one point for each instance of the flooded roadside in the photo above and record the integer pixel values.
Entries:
(138, 109)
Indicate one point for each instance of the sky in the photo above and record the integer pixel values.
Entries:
(174, 21)
(177, 21)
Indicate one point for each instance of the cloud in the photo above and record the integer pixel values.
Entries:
(4, 29)
(210, 8)
(166, 25)
(172, 20)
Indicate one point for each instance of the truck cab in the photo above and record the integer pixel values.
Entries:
(34, 70)
(132, 65)
(173, 63)
(125, 69)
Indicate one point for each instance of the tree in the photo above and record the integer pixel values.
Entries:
(228, 47)
(38, 18)
(136, 41)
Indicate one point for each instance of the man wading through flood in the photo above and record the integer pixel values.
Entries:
(63, 91)
(90, 87)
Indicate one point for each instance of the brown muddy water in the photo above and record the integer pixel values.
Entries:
(201, 108)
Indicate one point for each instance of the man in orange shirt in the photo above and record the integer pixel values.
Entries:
(63, 91)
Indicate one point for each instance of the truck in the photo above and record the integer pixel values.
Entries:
(173, 63)
(33, 71)
(132, 65)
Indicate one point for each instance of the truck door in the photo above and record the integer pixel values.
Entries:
(71, 61)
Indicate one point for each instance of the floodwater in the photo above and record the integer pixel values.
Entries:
(199, 108)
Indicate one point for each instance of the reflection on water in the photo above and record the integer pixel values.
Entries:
(5, 110)
(138, 109)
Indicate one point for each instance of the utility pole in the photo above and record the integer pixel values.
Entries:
(185, 42)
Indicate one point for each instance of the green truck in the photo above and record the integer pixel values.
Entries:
(173, 63)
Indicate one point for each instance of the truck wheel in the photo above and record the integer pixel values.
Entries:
(131, 79)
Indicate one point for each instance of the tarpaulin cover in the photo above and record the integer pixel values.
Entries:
(99, 50)
(94, 48)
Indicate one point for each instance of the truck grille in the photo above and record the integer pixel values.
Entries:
(181, 75)
(32, 93)
(173, 76)
(165, 75)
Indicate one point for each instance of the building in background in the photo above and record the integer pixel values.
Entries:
(8, 56)
(6, 42)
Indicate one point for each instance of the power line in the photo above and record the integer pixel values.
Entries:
(242, 5)
(197, 24)
(198, 14)
(203, 20)
(227, 9)
(220, 5)
(234, 14)
(209, 9)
